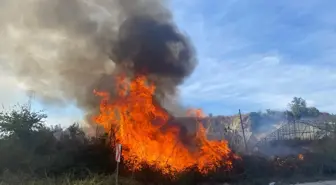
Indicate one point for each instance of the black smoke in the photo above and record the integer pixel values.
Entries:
(64, 49)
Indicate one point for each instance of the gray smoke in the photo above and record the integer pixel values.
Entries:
(63, 49)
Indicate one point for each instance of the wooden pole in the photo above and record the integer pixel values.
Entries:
(117, 173)
(242, 127)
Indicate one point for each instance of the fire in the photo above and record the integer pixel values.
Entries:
(301, 157)
(141, 126)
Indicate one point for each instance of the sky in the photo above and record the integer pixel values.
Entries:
(253, 55)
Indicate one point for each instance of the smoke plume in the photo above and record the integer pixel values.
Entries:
(63, 49)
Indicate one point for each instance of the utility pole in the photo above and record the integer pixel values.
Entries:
(242, 126)
(31, 96)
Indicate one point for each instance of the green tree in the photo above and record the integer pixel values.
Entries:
(24, 139)
(21, 123)
(28, 145)
(298, 107)
(289, 115)
(313, 112)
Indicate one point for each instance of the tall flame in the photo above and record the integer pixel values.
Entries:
(141, 126)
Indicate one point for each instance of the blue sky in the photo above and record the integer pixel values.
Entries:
(253, 55)
(259, 54)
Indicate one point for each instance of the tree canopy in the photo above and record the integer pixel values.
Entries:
(27, 144)
(299, 109)
(21, 123)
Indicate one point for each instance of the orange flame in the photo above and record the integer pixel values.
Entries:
(301, 157)
(141, 126)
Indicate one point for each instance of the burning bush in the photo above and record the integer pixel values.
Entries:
(142, 126)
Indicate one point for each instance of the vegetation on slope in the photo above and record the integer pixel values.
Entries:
(52, 155)
(298, 109)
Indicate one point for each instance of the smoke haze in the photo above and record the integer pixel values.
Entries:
(63, 49)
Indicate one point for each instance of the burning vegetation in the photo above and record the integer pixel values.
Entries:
(134, 56)
(144, 129)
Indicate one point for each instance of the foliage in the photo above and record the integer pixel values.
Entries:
(312, 112)
(299, 109)
(21, 123)
(50, 154)
(261, 121)
(27, 145)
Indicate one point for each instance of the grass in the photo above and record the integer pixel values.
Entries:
(25, 179)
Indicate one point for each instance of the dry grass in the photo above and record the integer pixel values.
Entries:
(24, 179)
